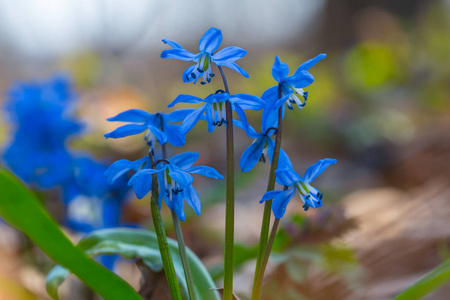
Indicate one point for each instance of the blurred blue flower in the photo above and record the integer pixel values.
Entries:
(157, 126)
(293, 85)
(209, 43)
(41, 117)
(310, 196)
(214, 108)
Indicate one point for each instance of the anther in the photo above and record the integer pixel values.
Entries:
(202, 83)
(200, 70)
(209, 79)
(212, 74)
(193, 75)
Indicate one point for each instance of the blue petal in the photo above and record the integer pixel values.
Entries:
(142, 182)
(132, 115)
(205, 171)
(210, 117)
(210, 41)
(252, 154)
(317, 168)
(287, 177)
(243, 124)
(178, 207)
(187, 74)
(192, 199)
(160, 136)
(178, 115)
(185, 99)
(247, 128)
(233, 66)
(281, 201)
(270, 195)
(283, 161)
(246, 101)
(178, 53)
(174, 135)
(122, 166)
(279, 69)
(181, 177)
(171, 43)
(126, 130)
(299, 80)
(193, 118)
(270, 94)
(184, 160)
(310, 63)
(228, 55)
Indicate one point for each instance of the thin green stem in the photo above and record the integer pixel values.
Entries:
(260, 275)
(229, 214)
(162, 242)
(183, 255)
(180, 240)
(264, 235)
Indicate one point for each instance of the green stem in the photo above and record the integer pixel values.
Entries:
(180, 240)
(229, 214)
(183, 255)
(260, 275)
(164, 250)
(162, 242)
(264, 235)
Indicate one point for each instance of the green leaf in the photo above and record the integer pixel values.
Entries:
(22, 210)
(143, 244)
(430, 282)
(54, 279)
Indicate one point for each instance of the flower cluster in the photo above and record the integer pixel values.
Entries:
(42, 115)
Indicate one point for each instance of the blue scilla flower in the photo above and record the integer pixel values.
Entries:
(214, 108)
(174, 178)
(310, 196)
(209, 43)
(291, 86)
(42, 121)
(157, 126)
(262, 145)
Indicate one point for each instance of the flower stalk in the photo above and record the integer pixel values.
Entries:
(229, 214)
(162, 242)
(264, 235)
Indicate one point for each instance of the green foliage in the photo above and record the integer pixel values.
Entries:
(142, 244)
(22, 210)
(430, 282)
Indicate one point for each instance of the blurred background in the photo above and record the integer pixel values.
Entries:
(379, 105)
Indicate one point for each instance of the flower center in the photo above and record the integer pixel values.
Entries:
(218, 113)
(296, 96)
(203, 69)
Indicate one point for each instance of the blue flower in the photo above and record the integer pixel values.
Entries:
(262, 145)
(174, 178)
(214, 108)
(41, 118)
(157, 126)
(209, 43)
(293, 85)
(310, 196)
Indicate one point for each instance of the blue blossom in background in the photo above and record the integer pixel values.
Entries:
(41, 117)
(310, 196)
(157, 126)
(291, 86)
(214, 108)
(209, 43)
